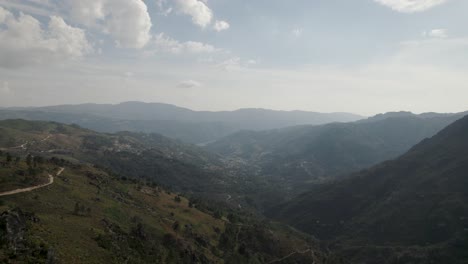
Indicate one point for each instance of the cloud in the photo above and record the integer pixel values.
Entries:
(201, 14)
(189, 84)
(24, 41)
(127, 21)
(163, 8)
(411, 6)
(221, 25)
(5, 88)
(198, 47)
(236, 63)
(35, 7)
(297, 32)
(166, 44)
(436, 33)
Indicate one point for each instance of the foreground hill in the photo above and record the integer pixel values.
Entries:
(152, 157)
(293, 157)
(91, 216)
(172, 121)
(58, 206)
(415, 206)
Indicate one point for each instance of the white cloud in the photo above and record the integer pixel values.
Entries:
(167, 44)
(198, 47)
(25, 42)
(236, 63)
(252, 62)
(201, 14)
(163, 8)
(297, 32)
(189, 84)
(5, 88)
(4, 14)
(436, 33)
(221, 25)
(35, 7)
(411, 6)
(127, 21)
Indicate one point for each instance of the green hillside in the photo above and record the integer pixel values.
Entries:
(417, 203)
(93, 215)
(291, 160)
(142, 156)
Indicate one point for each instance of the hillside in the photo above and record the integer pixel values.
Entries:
(150, 157)
(172, 121)
(70, 210)
(294, 157)
(90, 216)
(415, 204)
(142, 156)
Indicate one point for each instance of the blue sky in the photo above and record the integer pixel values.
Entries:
(361, 56)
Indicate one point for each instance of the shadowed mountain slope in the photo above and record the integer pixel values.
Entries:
(417, 200)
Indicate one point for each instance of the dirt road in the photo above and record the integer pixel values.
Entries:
(51, 180)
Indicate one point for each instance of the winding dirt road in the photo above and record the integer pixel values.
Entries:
(51, 180)
(290, 255)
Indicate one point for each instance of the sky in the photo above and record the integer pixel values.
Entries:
(359, 56)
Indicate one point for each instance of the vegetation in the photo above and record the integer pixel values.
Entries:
(104, 219)
(16, 174)
(288, 162)
(106, 216)
(414, 206)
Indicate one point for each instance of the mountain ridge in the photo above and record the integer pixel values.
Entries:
(416, 200)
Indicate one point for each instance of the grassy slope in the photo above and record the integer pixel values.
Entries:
(154, 157)
(127, 220)
(15, 176)
(107, 233)
(73, 236)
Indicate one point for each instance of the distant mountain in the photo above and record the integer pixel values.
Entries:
(403, 114)
(172, 121)
(416, 204)
(292, 158)
(190, 132)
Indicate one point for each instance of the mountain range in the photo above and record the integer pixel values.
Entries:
(417, 201)
(387, 189)
(172, 121)
(293, 159)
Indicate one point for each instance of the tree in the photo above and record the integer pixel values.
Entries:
(176, 225)
(8, 158)
(29, 160)
(217, 214)
(76, 211)
(17, 160)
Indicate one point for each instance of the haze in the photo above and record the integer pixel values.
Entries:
(362, 56)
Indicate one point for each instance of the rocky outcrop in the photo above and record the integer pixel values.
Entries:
(13, 229)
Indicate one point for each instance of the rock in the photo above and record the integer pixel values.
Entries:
(13, 227)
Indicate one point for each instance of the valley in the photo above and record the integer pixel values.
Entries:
(233, 132)
(106, 216)
(215, 202)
